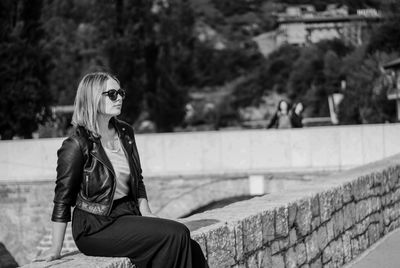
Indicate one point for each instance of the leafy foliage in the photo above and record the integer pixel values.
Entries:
(365, 98)
(24, 66)
(47, 46)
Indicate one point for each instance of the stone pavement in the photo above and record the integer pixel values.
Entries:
(385, 254)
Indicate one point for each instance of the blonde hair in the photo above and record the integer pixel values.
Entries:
(87, 100)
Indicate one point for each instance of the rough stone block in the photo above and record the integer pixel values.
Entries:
(315, 223)
(312, 248)
(265, 258)
(284, 243)
(376, 203)
(315, 206)
(337, 199)
(292, 214)
(221, 247)
(347, 193)
(252, 261)
(383, 200)
(322, 237)
(338, 223)
(281, 222)
(239, 240)
(268, 226)
(325, 205)
(329, 231)
(301, 253)
(386, 216)
(252, 233)
(278, 261)
(346, 238)
(316, 264)
(380, 225)
(363, 242)
(291, 258)
(239, 265)
(292, 237)
(337, 248)
(327, 253)
(275, 247)
(391, 179)
(361, 210)
(281, 244)
(360, 188)
(349, 216)
(304, 216)
(362, 226)
(373, 233)
(328, 265)
(355, 247)
(396, 195)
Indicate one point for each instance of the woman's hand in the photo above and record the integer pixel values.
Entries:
(145, 209)
(48, 255)
(150, 215)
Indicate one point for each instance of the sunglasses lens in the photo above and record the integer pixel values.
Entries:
(113, 95)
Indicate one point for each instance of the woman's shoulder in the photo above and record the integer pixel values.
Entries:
(123, 126)
(77, 138)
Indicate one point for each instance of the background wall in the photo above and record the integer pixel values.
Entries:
(224, 152)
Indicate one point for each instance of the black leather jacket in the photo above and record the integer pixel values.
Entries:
(85, 176)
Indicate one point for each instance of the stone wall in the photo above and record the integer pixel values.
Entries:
(323, 224)
(25, 226)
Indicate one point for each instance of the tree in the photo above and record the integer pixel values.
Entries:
(365, 98)
(386, 37)
(24, 67)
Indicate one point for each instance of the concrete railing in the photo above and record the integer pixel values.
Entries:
(224, 152)
(325, 223)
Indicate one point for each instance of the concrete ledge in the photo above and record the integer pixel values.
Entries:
(223, 152)
(325, 223)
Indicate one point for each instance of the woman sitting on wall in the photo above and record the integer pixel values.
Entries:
(98, 172)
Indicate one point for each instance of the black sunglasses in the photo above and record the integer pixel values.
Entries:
(113, 94)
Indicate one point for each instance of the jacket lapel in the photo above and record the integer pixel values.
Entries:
(99, 153)
(129, 147)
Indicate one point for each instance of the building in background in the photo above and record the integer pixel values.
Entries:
(302, 25)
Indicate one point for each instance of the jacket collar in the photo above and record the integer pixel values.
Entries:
(126, 142)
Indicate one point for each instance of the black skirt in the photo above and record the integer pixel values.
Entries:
(147, 241)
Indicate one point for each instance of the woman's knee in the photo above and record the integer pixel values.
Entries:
(179, 229)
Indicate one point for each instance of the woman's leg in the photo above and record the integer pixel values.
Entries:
(149, 242)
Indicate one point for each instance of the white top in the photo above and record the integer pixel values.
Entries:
(121, 168)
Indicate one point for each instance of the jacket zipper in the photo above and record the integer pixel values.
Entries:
(114, 186)
(87, 185)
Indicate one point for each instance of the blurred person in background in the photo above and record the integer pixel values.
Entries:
(281, 118)
(99, 172)
(296, 115)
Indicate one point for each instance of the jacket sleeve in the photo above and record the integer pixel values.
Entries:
(69, 176)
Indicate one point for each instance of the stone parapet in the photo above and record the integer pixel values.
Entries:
(323, 224)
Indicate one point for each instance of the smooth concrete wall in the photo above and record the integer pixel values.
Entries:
(224, 152)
